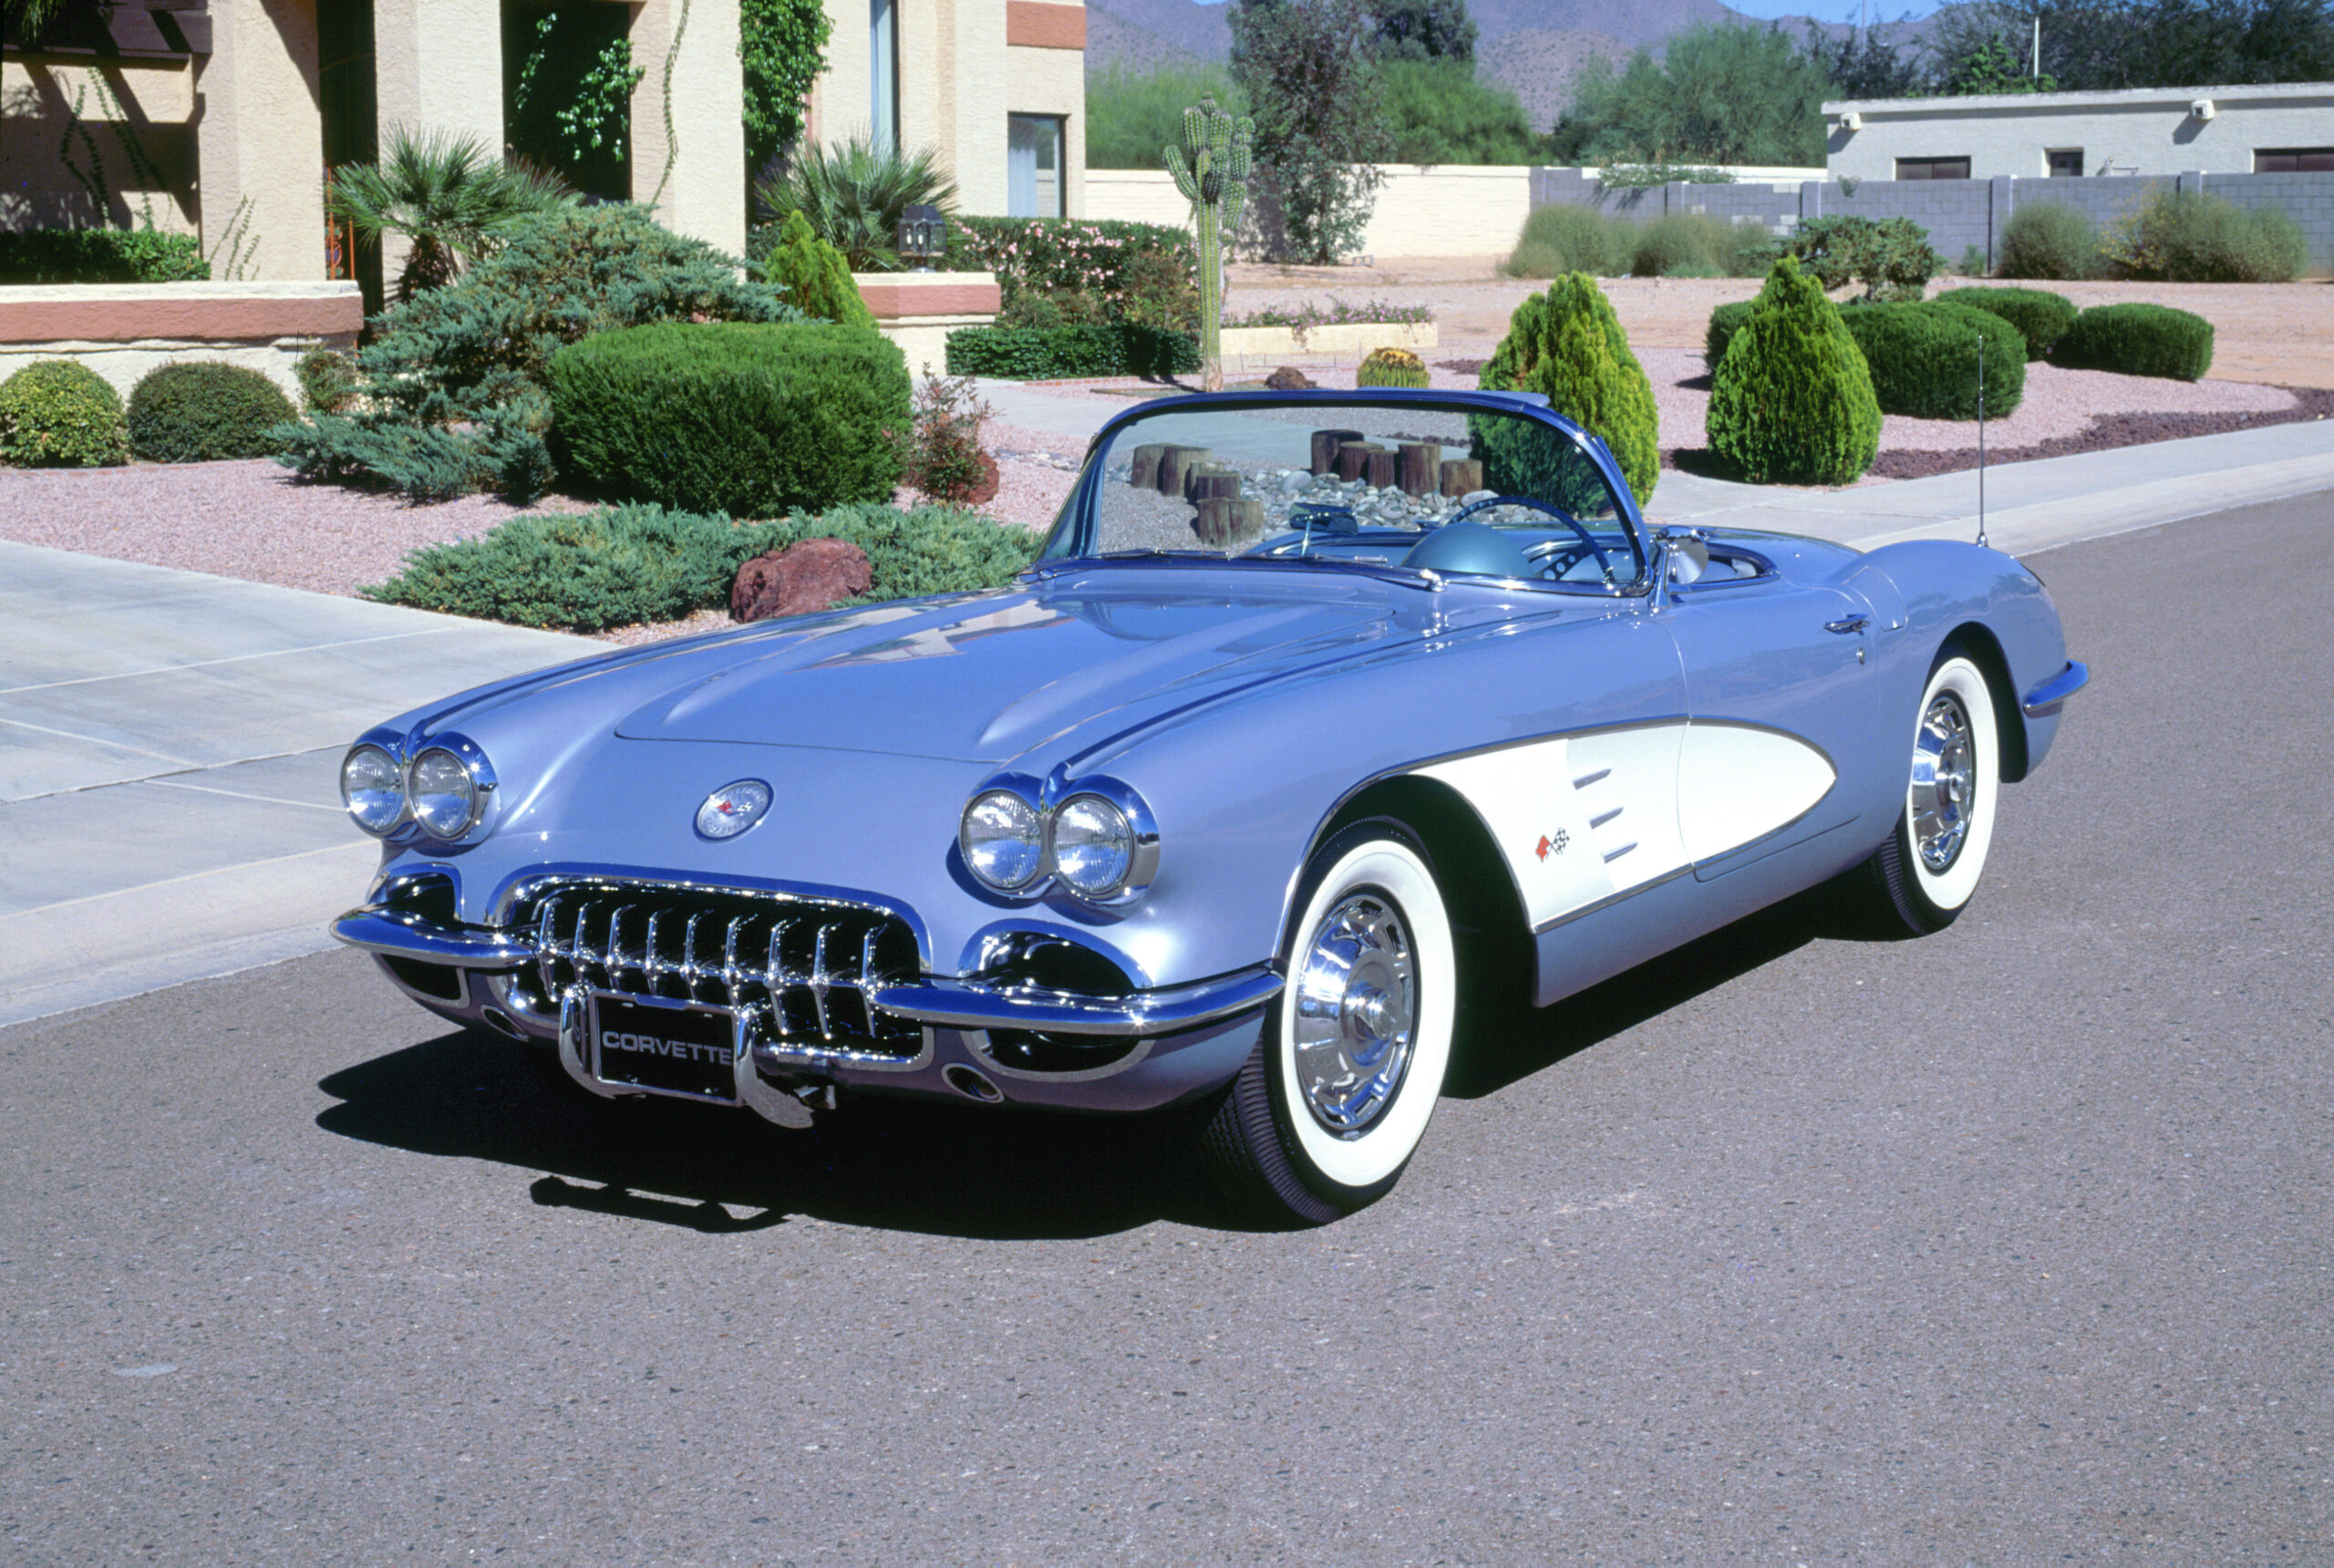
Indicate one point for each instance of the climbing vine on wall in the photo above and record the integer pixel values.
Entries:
(594, 113)
(782, 44)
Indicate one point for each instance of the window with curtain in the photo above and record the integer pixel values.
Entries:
(1033, 166)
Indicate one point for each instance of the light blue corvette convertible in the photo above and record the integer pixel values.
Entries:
(1317, 710)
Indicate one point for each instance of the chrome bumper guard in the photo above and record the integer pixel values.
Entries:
(939, 1003)
(2051, 694)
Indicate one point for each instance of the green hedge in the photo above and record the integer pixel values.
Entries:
(1064, 353)
(202, 411)
(1725, 322)
(60, 414)
(2139, 340)
(2040, 317)
(1923, 358)
(735, 417)
(100, 256)
(1792, 402)
(624, 564)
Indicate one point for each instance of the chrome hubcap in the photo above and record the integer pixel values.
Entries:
(1945, 782)
(1357, 1013)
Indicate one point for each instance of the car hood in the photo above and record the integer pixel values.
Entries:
(985, 679)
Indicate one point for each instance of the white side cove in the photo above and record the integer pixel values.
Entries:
(1584, 818)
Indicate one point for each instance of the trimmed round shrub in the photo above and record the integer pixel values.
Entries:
(1391, 367)
(1725, 322)
(2040, 317)
(1792, 402)
(1923, 358)
(743, 418)
(58, 413)
(1568, 343)
(2139, 340)
(621, 565)
(201, 411)
(2048, 240)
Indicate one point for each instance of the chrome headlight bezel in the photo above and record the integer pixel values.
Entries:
(1044, 803)
(478, 776)
(1024, 798)
(395, 781)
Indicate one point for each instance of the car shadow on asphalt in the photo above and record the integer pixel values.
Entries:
(968, 1170)
(940, 1169)
(1501, 1045)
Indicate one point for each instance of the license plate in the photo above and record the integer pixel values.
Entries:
(666, 1048)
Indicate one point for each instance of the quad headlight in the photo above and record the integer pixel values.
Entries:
(1096, 837)
(444, 790)
(372, 786)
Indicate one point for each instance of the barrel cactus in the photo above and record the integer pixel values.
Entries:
(1391, 367)
(1568, 343)
(1213, 179)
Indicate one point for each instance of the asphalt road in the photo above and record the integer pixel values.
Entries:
(2010, 1245)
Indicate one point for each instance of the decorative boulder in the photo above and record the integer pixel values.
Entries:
(1288, 378)
(801, 578)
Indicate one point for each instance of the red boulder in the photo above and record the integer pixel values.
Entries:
(800, 578)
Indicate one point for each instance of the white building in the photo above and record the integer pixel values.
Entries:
(2278, 129)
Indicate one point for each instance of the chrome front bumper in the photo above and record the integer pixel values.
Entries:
(933, 1001)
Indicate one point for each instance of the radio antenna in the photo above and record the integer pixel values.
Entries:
(1981, 440)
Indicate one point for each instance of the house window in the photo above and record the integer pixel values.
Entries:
(1932, 169)
(2293, 159)
(1033, 183)
(884, 79)
(2066, 162)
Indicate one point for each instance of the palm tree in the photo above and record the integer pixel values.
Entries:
(448, 195)
(852, 195)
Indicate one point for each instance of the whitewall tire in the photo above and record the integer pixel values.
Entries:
(1337, 1095)
(1927, 873)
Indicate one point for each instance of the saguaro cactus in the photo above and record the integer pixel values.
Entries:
(1211, 170)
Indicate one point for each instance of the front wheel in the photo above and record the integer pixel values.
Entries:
(1924, 876)
(1334, 1101)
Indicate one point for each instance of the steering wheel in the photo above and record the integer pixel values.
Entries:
(1546, 548)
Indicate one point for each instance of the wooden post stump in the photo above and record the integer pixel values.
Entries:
(1222, 521)
(1213, 482)
(1384, 466)
(1324, 449)
(1143, 474)
(1462, 476)
(1353, 459)
(1175, 466)
(1421, 467)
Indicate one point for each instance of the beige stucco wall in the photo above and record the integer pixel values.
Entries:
(695, 176)
(959, 80)
(262, 154)
(121, 331)
(2147, 131)
(38, 95)
(1447, 210)
(438, 66)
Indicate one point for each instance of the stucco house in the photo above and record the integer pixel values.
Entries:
(220, 118)
(2272, 130)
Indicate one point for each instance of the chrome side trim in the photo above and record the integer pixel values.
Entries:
(2046, 699)
(970, 1005)
(402, 933)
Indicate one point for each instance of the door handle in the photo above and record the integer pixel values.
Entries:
(1848, 627)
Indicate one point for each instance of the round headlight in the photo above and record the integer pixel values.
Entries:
(372, 788)
(1001, 839)
(1093, 846)
(443, 795)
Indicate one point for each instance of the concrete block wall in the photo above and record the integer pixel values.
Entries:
(1957, 213)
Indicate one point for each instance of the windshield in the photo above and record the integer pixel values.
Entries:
(1406, 484)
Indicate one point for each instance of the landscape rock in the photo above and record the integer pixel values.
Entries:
(811, 576)
(1288, 378)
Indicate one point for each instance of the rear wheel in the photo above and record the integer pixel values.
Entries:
(1924, 876)
(1337, 1095)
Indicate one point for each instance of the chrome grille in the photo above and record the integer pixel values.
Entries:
(803, 969)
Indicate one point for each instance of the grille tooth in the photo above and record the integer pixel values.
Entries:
(801, 969)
